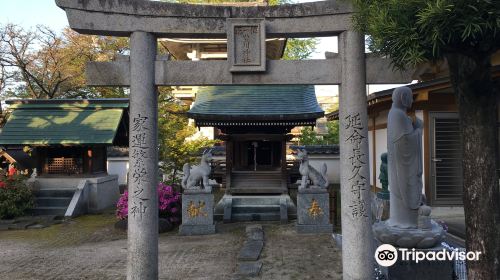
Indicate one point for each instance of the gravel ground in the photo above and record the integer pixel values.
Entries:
(90, 248)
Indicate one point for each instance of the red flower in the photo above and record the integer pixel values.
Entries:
(12, 171)
(2, 185)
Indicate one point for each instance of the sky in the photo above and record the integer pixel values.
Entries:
(29, 13)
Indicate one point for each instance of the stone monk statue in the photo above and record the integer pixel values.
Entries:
(404, 146)
(409, 224)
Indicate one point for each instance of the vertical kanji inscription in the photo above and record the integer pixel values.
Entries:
(139, 175)
(357, 182)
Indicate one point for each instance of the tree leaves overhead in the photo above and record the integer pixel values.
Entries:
(43, 64)
(412, 31)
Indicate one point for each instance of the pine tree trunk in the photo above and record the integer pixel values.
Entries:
(477, 103)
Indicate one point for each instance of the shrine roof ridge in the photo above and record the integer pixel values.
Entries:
(236, 103)
(68, 103)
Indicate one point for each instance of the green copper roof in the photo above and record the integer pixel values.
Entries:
(256, 103)
(45, 123)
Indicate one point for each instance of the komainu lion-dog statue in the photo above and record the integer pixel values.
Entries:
(196, 176)
(318, 179)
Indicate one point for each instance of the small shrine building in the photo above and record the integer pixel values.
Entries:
(255, 122)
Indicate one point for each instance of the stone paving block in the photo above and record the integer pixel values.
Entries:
(251, 250)
(253, 228)
(250, 269)
(255, 232)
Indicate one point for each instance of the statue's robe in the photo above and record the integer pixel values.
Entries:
(404, 150)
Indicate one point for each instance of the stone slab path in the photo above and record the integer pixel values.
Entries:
(250, 252)
(90, 248)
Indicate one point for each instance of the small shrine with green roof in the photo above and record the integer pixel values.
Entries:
(68, 141)
(255, 122)
(67, 137)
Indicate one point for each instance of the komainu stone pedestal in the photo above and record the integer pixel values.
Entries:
(197, 213)
(423, 270)
(313, 211)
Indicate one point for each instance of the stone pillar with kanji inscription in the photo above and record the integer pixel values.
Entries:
(357, 238)
(143, 160)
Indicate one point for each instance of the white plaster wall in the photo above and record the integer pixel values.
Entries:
(207, 132)
(118, 166)
(332, 165)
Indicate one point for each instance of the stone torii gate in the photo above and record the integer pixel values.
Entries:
(246, 29)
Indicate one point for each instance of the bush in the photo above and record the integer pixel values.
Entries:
(15, 196)
(169, 204)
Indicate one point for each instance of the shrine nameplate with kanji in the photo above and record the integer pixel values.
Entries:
(246, 45)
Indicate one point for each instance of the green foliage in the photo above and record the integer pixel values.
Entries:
(42, 63)
(298, 49)
(414, 31)
(175, 147)
(333, 132)
(15, 196)
(310, 137)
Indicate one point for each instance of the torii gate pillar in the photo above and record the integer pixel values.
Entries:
(142, 254)
(357, 238)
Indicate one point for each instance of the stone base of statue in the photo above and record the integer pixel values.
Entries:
(421, 270)
(409, 238)
(313, 211)
(197, 213)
